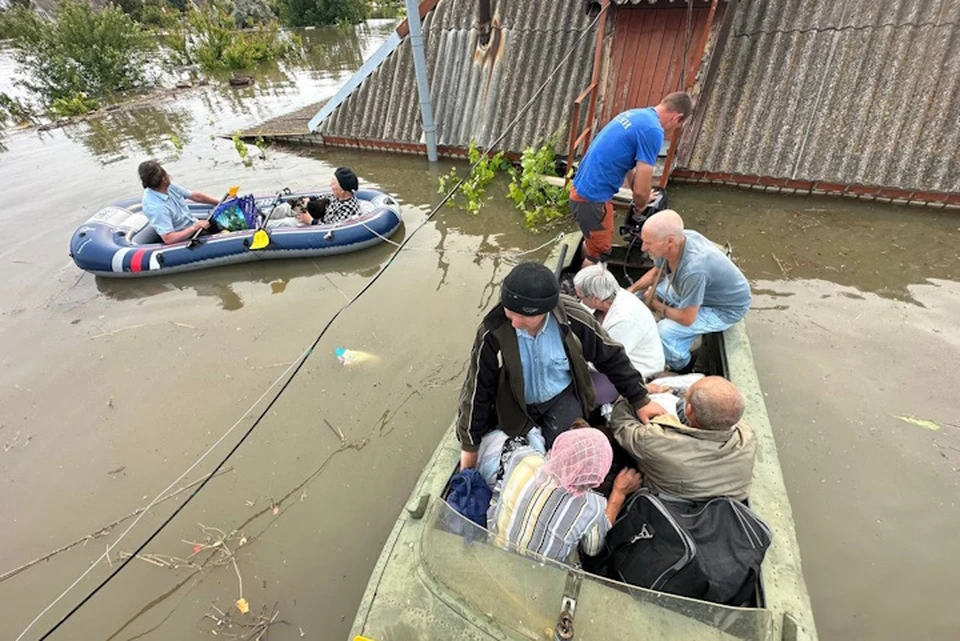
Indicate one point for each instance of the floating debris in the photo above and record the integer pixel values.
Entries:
(354, 356)
(922, 422)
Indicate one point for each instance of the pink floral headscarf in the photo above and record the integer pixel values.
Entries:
(579, 460)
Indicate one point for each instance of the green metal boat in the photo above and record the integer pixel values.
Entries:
(440, 577)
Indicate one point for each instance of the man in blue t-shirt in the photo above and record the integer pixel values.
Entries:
(702, 291)
(629, 143)
(165, 206)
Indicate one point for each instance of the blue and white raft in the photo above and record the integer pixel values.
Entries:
(118, 242)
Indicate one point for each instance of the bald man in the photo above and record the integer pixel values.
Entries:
(701, 291)
(709, 455)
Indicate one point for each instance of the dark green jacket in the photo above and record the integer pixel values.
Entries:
(492, 394)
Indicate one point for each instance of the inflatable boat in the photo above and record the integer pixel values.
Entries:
(118, 242)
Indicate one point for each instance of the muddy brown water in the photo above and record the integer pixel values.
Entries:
(110, 389)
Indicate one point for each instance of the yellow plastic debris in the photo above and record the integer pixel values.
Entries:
(242, 605)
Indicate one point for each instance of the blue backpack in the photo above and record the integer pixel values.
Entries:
(470, 496)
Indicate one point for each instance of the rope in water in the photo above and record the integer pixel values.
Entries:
(506, 254)
(296, 367)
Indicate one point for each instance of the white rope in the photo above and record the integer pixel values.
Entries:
(161, 494)
(505, 254)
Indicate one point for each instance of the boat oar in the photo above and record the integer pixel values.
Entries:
(261, 238)
(230, 194)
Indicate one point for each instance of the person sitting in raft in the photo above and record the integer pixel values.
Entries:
(702, 291)
(342, 206)
(627, 321)
(546, 504)
(706, 452)
(165, 206)
(528, 365)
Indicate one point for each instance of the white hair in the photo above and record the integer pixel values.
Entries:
(596, 282)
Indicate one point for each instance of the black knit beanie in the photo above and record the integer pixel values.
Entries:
(530, 289)
(346, 178)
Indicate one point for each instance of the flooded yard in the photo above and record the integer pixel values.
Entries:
(110, 389)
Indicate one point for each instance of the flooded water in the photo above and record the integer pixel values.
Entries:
(110, 389)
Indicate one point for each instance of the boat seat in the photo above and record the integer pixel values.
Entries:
(146, 235)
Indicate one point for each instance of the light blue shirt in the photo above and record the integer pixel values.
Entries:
(167, 212)
(706, 277)
(546, 369)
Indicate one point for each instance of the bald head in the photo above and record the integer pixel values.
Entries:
(713, 403)
(664, 224)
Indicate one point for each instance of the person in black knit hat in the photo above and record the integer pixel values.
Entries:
(339, 207)
(528, 366)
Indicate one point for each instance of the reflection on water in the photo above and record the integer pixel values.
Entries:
(333, 48)
(162, 127)
(218, 283)
(875, 247)
(158, 131)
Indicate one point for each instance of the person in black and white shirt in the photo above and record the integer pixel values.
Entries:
(341, 206)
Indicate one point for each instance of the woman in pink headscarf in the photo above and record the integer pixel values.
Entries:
(546, 504)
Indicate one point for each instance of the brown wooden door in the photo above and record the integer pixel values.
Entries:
(647, 55)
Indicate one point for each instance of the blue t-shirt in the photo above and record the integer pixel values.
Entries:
(706, 277)
(167, 212)
(546, 368)
(631, 137)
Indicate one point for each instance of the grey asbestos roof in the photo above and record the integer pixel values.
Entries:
(475, 94)
(838, 90)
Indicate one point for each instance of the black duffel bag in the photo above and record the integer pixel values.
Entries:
(709, 550)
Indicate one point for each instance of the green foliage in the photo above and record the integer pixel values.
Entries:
(79, 51)
(470, 194)
(159, 17)
(241, 148)
(388, 9)
(262, 145)
(305, 13)
(214, 42)
(540, 202)
(14, 111)
(76, 105)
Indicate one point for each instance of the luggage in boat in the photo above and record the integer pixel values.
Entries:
(237, 213)
(710, 550)
(470, 496)
(633, 221)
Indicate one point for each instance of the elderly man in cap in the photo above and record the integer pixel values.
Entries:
(528, 366)
(340, 207)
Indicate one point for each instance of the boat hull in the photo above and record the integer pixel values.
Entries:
(407, 599)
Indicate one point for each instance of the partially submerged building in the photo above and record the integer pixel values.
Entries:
(824, 96)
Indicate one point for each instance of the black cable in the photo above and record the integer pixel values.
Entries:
(316, 341)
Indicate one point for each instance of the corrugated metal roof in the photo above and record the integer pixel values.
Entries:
(475, 95)
(843, 91)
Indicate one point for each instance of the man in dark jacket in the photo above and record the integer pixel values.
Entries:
(528, 366)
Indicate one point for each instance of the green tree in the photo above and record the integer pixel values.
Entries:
(79, 51)
(212, 38)
(304, 13)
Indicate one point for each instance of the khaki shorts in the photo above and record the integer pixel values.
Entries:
(596, 223)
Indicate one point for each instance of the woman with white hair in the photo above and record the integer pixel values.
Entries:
(627, 321)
